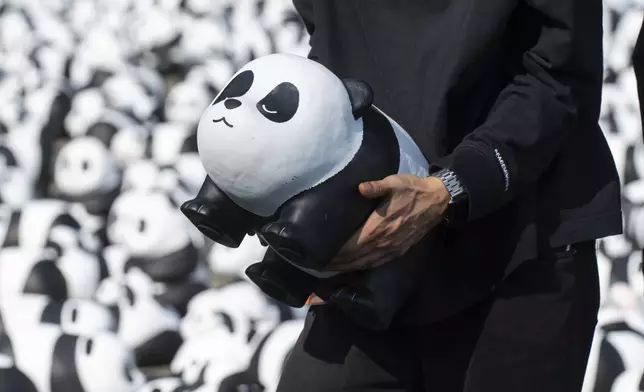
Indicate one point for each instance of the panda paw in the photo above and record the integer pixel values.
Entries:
(203, 217)
(281, 237)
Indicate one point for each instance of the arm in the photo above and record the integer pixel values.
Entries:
(305, 9)
(532, 115)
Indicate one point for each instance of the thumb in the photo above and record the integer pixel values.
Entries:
(374, 189)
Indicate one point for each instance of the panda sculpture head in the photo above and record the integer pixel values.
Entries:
(86, 107)
(240, 309)
(186, 101)
(86, 171)
(267, 136)
(199, 364)
(148, 224)
(99, 363)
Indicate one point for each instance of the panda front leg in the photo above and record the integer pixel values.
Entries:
(282, 281)
(217, 216)
(313, 226)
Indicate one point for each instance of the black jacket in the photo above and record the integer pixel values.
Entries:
(507, 94)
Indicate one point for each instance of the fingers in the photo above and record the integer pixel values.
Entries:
(376, 189)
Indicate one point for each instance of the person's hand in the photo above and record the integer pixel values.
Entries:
(412, 207)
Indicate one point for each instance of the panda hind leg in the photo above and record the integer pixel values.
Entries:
(281, 281)
(374, 299)
(218, 217)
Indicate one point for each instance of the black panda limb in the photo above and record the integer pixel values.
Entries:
(218, 217)
(12, 379)
(281, 281)
(313, 226)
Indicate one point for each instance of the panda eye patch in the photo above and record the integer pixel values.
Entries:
(280, 105)
(74, 314)
(88, 346)
(237, 87)
(85, 165)
(142, 226)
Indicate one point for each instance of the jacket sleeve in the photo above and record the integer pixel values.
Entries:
(532, 115)
(305, 9)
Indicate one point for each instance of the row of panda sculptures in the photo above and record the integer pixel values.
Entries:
(101, 275)
(104, 284)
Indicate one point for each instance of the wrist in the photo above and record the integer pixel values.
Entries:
(457, 204)
(439, 192)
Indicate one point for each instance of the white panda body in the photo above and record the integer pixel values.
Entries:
(268, 136)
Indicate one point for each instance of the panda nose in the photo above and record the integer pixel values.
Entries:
(232, 103)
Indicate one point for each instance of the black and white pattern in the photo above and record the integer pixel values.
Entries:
(99, 102)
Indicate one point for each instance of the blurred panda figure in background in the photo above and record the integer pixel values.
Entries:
(187, 100)
(138, 92)
(48, 223)
(73, 316)
(617, 351)
(154, 31)
(100, 53)
(88, 172)
(37, 271)
(67, 363)
(147, 224)
(145, 325)
(232, 262)
(203, 363)
(240, 308)
(11, 379)
(267, 362)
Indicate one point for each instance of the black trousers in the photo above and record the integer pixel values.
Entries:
(532, 334)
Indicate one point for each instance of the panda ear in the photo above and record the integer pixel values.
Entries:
(360, 95)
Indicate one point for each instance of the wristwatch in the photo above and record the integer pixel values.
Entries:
(458, 202)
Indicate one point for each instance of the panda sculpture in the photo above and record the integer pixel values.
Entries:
(267, 362)
(86, 171)
(207, 361)
(45, 223)
(11, 378)
(285, 145)
(618, 348)
(239, 308)
(39, 271)
(73, 316)
(143, 324)
(157, 240)
(58, 362)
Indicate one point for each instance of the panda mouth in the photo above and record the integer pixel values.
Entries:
(223, 119)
